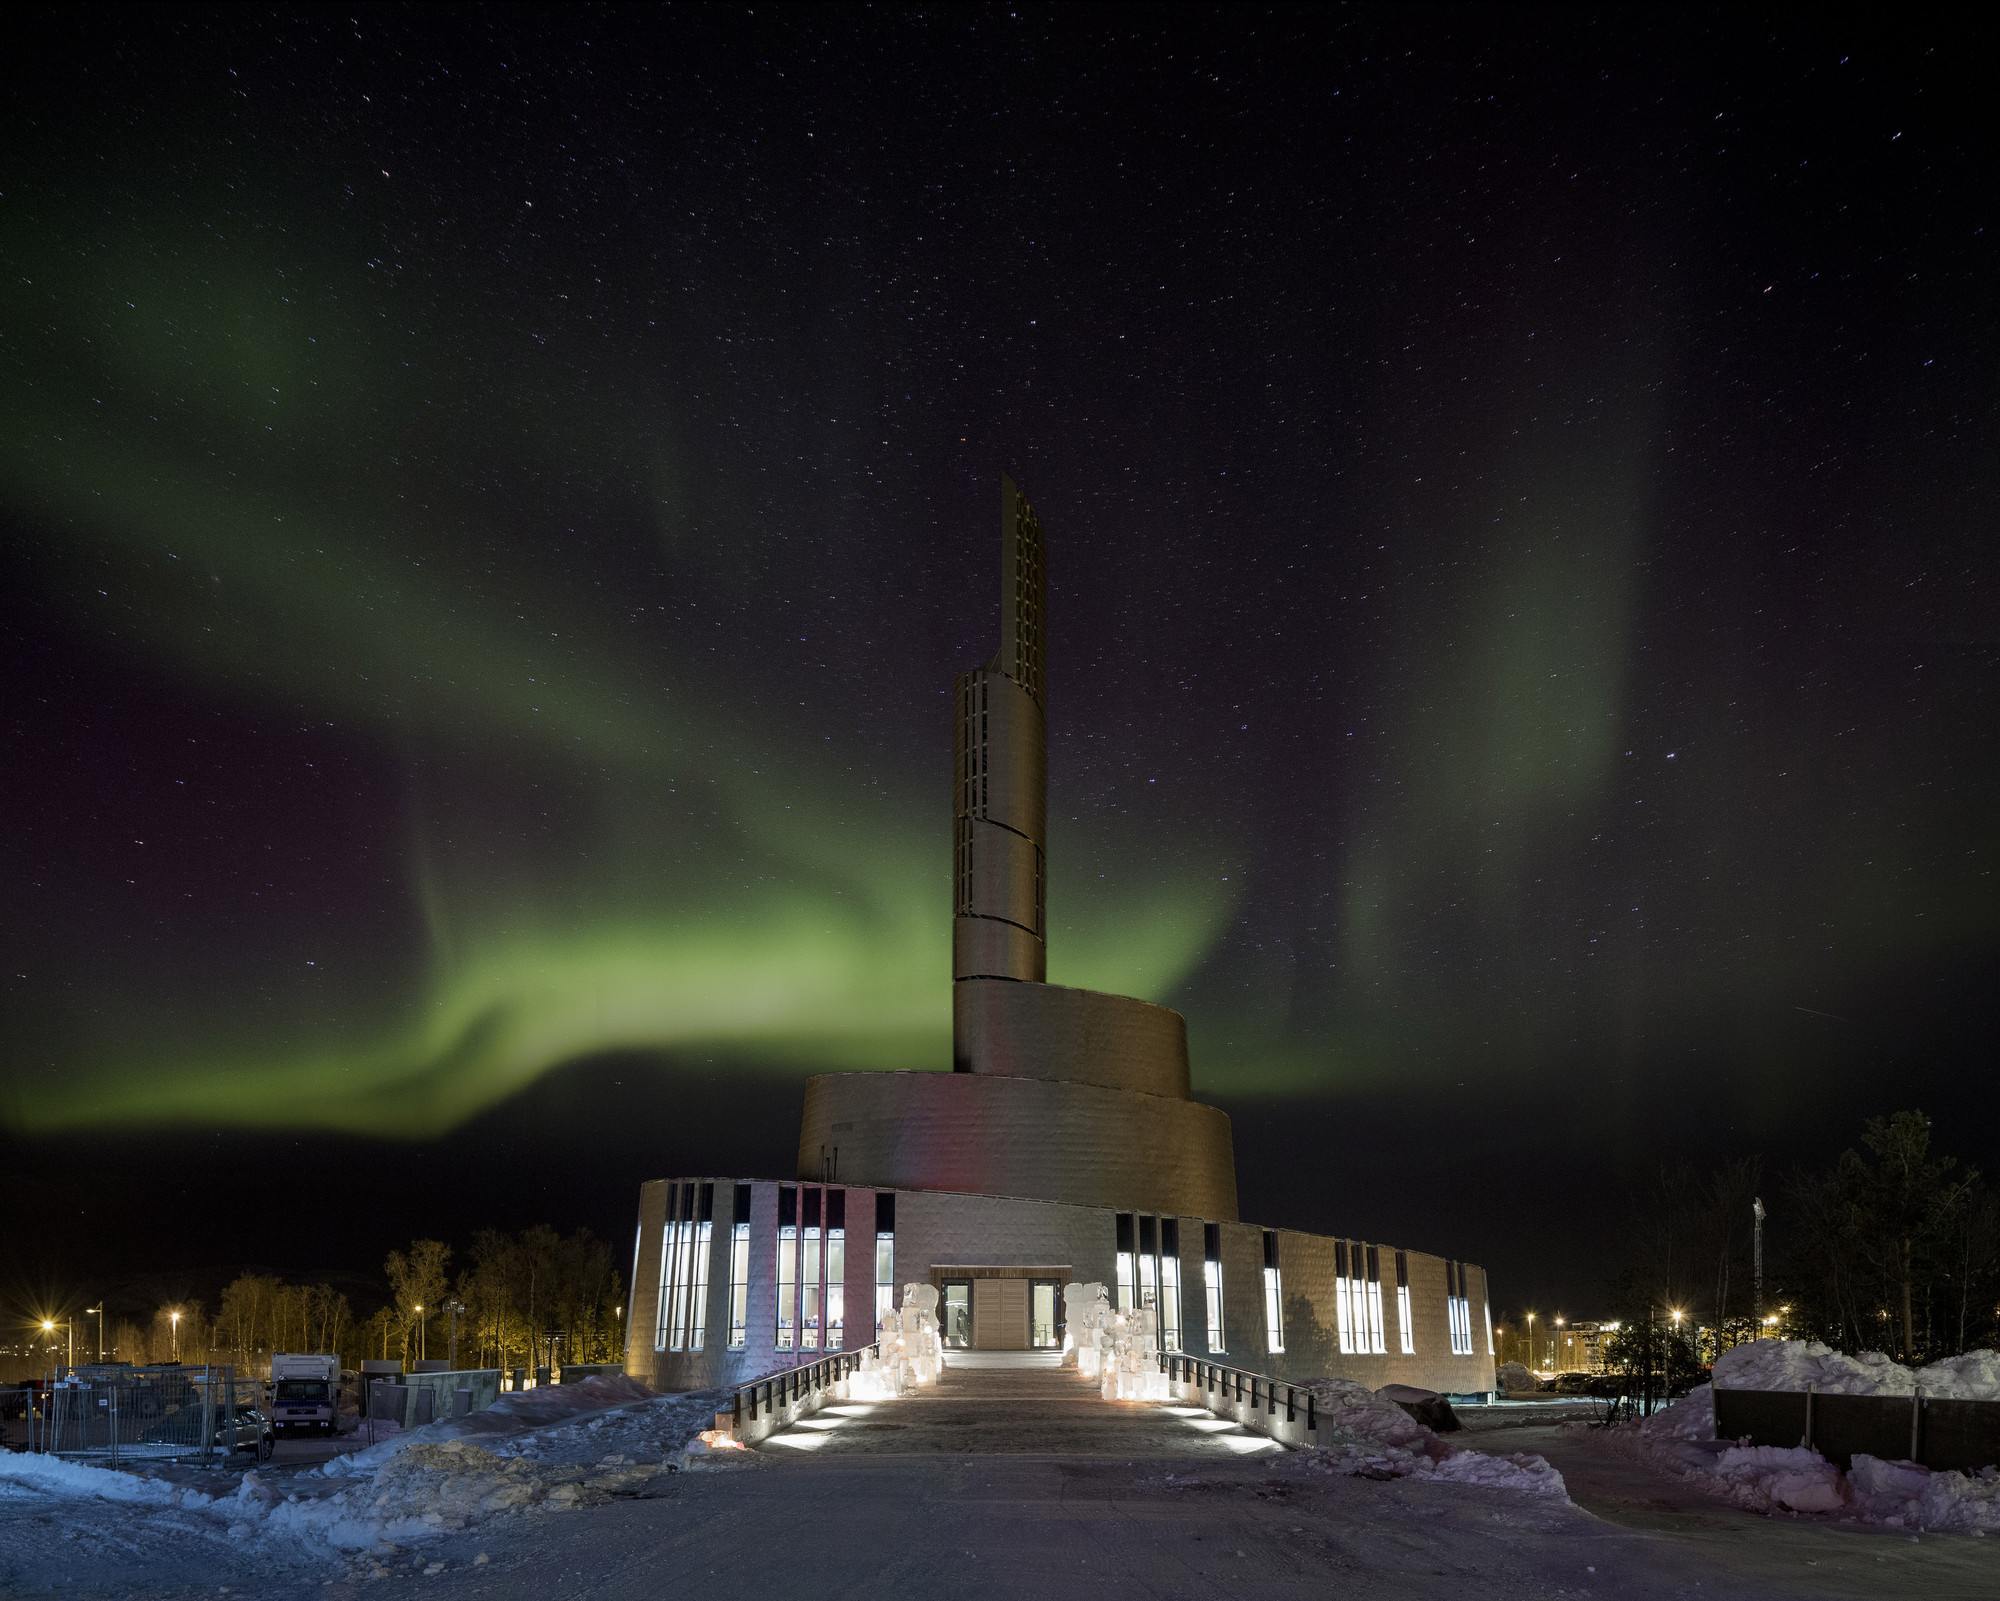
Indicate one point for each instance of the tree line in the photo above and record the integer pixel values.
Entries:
(1892, 1247)
(519, 1300)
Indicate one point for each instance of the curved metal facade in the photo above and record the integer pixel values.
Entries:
(1039, 1139)
(1080, 1036)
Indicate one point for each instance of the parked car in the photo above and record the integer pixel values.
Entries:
(1572, 1384)
(249, 1431)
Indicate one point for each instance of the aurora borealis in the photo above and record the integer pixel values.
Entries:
(493, 502)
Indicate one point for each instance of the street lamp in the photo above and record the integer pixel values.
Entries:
(420, 1331)
(99, 1310)
(1531, 1340)
(174, 1318)
(48, 1326)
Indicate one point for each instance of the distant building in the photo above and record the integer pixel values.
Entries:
(1577, 1347)
(1065, 1144)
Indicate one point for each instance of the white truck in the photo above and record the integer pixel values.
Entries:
(304, 1392)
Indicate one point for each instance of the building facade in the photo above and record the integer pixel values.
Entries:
(1065, 1145)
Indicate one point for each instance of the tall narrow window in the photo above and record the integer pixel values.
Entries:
(1357, 1291)
(633, 1317)
(836, 1268)
(670, 1235)
(1375, 1341)
(1486, 1307)
(1125, 1254)
(1170, 1284)
(1149, 1264)
(885, 1255)
(739, 1270)
(704, 1233)
(1461, 1315)
(1274, 1296)
(1403, 1324)
(788, 1268)
(811, 1296)
(1343, 1313)
(1211, 1274)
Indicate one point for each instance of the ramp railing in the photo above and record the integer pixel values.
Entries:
(1287, 1413)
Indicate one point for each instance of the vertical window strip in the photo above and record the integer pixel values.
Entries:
(1274, 1297)
(786, 1333)
(836, 1288)
(1357, 1293)
(1170, 1284)
(665, 1309)
(811, 1290)
(1211, 1272)
(1403, 1324)
(1376, 1343)
(1343, 1311)
(739, 1286)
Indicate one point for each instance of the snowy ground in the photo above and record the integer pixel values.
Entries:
(587, 1490)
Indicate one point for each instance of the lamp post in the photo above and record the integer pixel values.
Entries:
(48, 1326)
(174, 1319)
(420, 1331)
(1556, 1345)
(1531, 1342)
(99, 1310)
(454, 1308)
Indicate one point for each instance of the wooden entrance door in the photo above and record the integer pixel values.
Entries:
(1000, 1314)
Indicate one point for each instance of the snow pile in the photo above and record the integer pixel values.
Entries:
(1513, 1376)
(547, 1450)
(1904, 1495)
(1367, 1435)
(1797, 1364)
(58, 1476)
(1692, 1417)
(1680, 1441)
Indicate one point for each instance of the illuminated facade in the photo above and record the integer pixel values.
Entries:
(1064, 1144)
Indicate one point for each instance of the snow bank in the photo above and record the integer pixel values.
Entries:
(1795, 1364)
(1367, 1435)
(548, 1450)
(1513, 1376)
(1680, 1441)
(57, 1476)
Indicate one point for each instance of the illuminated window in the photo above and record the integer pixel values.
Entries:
(1343, 1311)
(885, 1256)
(1486, 1307)
(670, 1234)
(1375, 1342)
(811, 1296)
(1460, 1308)
(1274, 1296)
(1149, 1264)
(703, 1231)
(1170, 1284)
(1403, 1326)
(1125, 1254)
(788, 1268)
(739, 1270)
(836, 1268)
(1211, 1272)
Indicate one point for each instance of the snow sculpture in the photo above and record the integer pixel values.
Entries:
(908, 1352)
(1119, 1349)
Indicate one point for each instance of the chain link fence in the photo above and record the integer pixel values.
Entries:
(126, 1413)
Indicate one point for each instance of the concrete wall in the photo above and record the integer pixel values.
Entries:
(935, 1229)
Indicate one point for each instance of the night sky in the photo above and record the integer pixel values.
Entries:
(491, 504)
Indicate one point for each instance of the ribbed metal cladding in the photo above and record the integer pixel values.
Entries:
(1000, 747)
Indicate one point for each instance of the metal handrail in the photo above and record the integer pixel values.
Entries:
(766, 1395)
(1213, 1376)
